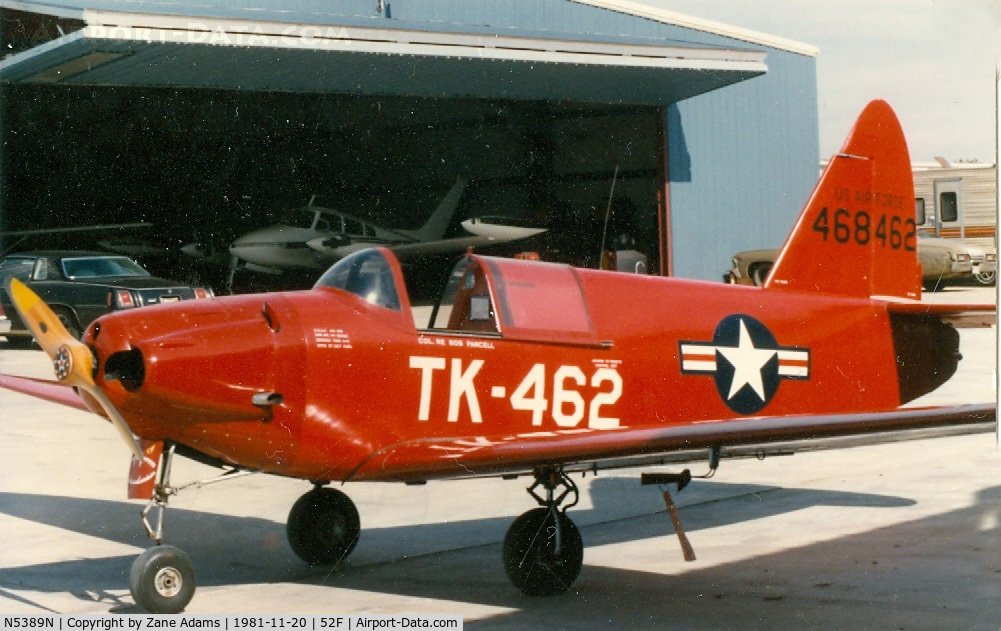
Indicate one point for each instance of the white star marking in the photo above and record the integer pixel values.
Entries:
(747, 363)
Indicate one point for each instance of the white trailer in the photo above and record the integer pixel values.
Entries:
(958, 202)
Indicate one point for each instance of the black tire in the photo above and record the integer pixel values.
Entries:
(68, 320)
(21, 342)
(162, 580)
(759, 273)
(530, 559)
(934, 284)
(323, 527)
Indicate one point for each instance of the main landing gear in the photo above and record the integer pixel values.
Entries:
(323, 526)
(543, 550)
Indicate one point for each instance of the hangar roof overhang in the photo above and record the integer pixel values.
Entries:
(113, 48)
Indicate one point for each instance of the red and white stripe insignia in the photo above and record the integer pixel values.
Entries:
(698, 358)
(794, 364)
(701, 358)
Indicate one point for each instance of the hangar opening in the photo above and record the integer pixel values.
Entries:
(206, 122)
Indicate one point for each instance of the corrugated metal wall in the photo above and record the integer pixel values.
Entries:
(743, 162)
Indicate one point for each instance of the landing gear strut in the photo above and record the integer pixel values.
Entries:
(543, 550)
(162, 579)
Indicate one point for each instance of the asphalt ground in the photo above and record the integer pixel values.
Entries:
(905, 535)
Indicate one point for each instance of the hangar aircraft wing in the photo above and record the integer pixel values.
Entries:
(21, 235)
(526, 367)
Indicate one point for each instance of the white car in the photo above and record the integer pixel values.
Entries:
(985, 264)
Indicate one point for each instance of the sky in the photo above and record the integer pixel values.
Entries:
(935, 62)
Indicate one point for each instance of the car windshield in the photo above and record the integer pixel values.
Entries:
(367, 275)
(19, 268)
(96, 266)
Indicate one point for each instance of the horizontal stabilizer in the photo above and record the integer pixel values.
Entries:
(959, 315)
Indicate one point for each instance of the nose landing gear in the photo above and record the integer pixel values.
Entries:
(543, 549)
(162, 579)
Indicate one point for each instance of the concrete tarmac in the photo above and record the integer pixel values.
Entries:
(905, 535)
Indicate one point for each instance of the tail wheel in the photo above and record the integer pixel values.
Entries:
(543, 557)
(162, 580)
(323, 527)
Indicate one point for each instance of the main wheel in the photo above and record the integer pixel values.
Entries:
(162, 580)
(531, 558)
(323, 527)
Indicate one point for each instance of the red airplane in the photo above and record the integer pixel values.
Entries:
(525, 368)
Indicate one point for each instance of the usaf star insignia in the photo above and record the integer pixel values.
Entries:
(746, 362)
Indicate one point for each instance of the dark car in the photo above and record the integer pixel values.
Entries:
(82, 286)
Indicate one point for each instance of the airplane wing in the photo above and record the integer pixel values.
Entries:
(455, 245)
(44, 389)
(469, 456)
(19, 236)
(96, 228)
(587, 449)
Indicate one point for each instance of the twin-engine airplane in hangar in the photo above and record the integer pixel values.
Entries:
(313, 236)
(524, 368)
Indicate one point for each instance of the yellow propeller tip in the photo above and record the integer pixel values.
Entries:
(21, 296)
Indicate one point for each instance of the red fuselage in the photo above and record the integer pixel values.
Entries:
(551, 350)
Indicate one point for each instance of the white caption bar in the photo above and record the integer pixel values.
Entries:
(69, 622)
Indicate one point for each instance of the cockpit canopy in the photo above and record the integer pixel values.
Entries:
(323, 220)
(366, 274)
(485, 296)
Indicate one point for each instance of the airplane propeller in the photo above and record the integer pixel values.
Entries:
(74, 363)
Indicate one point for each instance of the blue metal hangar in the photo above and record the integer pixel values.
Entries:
(211, 114)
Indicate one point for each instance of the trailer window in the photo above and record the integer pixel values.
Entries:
(948, 206)
(919, 207)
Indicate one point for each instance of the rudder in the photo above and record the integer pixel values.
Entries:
(857, 235)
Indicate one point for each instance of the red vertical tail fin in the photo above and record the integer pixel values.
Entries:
(857, 235)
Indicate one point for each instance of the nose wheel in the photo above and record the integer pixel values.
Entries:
(162, 580)
(543, 549)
